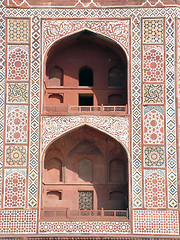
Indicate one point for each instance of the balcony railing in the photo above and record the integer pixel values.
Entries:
(96, 110)
(85, 214)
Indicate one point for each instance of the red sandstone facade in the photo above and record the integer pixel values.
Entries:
(90, 119)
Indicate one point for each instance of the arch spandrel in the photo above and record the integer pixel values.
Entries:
(116, 30)
(116, 127)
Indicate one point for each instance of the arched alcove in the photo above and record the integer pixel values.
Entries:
(55, 98)
(92, 65)
(117, 170)
(85, 170)
(54, 170)
(90, 168)
(52, 166)
(54, 195)
(55, 77)
(116, 76)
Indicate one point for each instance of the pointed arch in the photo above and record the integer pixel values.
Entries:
(116, 131)
(106, 35)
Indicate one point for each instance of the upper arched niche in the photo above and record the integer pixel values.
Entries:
(99, 38)
(87, 61)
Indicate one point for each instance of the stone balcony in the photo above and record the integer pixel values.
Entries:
(66, 214)
(85, 110)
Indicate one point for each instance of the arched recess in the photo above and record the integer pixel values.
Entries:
(85, 170)
(53, 166)
(86, 155)
(94, 51)
(55, 77)
(116, 76)
(117, 170)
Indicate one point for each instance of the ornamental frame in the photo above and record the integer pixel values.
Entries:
(35, 15)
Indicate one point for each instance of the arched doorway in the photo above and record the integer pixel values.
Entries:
(85, 171)
(85, 69)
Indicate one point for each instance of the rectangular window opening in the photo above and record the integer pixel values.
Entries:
(85, 99)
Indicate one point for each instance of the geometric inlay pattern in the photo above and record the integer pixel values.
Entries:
(116, 30)
(155, 222)
(178, 32)
(154, 156)
(117, 127)
(171, 138)
(34, 106)
(178, 36)
(85, 227)
(2, 87)
(18, 30)
(16, 155)
(18, 63)
(136, 65)
(153, 30)
(17, 92)
(17, 124)
(153, 64)
(179, 76)
(154, 188)
(153, 125)
(179, 64)
(15, 188)
(18, 221)
(153, 94)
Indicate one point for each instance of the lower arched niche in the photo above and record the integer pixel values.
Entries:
(92, 176)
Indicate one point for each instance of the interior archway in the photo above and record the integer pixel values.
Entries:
(94, 172)
(92, 66)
